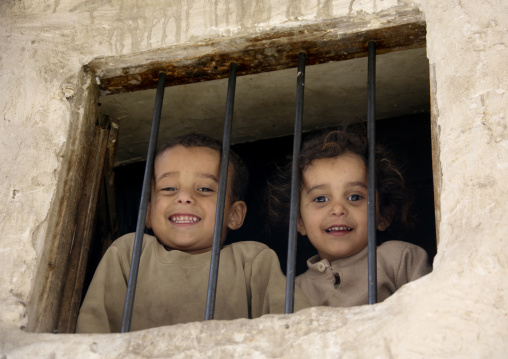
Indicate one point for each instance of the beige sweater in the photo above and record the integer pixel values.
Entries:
(172, 286)
(343, 283)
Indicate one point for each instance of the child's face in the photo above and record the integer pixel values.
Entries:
(333, 206)
(183, 203)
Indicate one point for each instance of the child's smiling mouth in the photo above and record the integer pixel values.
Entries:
(338, 229)
(184, 219)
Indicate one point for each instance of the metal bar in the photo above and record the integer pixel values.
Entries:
(295, 187)
(371, 172)
(145, 195)
(221, 196)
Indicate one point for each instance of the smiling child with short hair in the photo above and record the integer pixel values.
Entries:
(174, 265)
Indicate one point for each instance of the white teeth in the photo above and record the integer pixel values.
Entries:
(333, 229)
(184, 219)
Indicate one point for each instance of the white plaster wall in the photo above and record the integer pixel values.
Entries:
(458, 311)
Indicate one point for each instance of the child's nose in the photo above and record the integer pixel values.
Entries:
(338, 208)
(184, 197)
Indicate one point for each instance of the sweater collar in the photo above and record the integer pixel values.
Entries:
(317, 264)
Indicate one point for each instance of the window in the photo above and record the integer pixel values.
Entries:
(263, 120)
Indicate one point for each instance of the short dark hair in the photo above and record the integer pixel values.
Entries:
(240, 175)
(394, 198)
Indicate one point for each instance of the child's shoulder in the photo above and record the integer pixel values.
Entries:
(126, 242)
(249, 246)
(406, 261)
(249, 249)
(399, 247)
(397, 252)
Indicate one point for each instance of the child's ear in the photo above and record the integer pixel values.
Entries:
(384, 222)
(237, 215)
(300, 226)
(148, 222)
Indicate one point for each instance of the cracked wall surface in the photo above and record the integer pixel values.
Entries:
(460, 310)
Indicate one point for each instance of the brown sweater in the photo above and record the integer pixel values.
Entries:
(343, 283)
(172, 286)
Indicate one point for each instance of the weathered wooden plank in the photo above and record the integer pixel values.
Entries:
(83, 234)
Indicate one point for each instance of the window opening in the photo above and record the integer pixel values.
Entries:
(295, 272)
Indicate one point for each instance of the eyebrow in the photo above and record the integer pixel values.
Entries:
(200, 175)
(349, 184)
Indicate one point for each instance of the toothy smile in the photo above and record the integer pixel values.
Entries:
(184, 219)
(338, 228)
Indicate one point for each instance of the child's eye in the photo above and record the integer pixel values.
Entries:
(354, 197)
(168, 189)
(320, 199)
(205, 189)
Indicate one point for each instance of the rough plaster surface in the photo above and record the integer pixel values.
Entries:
(460, 310)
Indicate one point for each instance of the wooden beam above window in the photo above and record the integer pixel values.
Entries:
(333, 40)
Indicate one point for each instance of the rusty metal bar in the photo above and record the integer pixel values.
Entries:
(295, 186)
(145, 195)
(371, 172)
(221, 196)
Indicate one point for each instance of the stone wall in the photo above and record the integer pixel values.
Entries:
(460, 310)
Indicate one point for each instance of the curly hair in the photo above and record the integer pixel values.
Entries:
(240, 175)
(393, 196)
